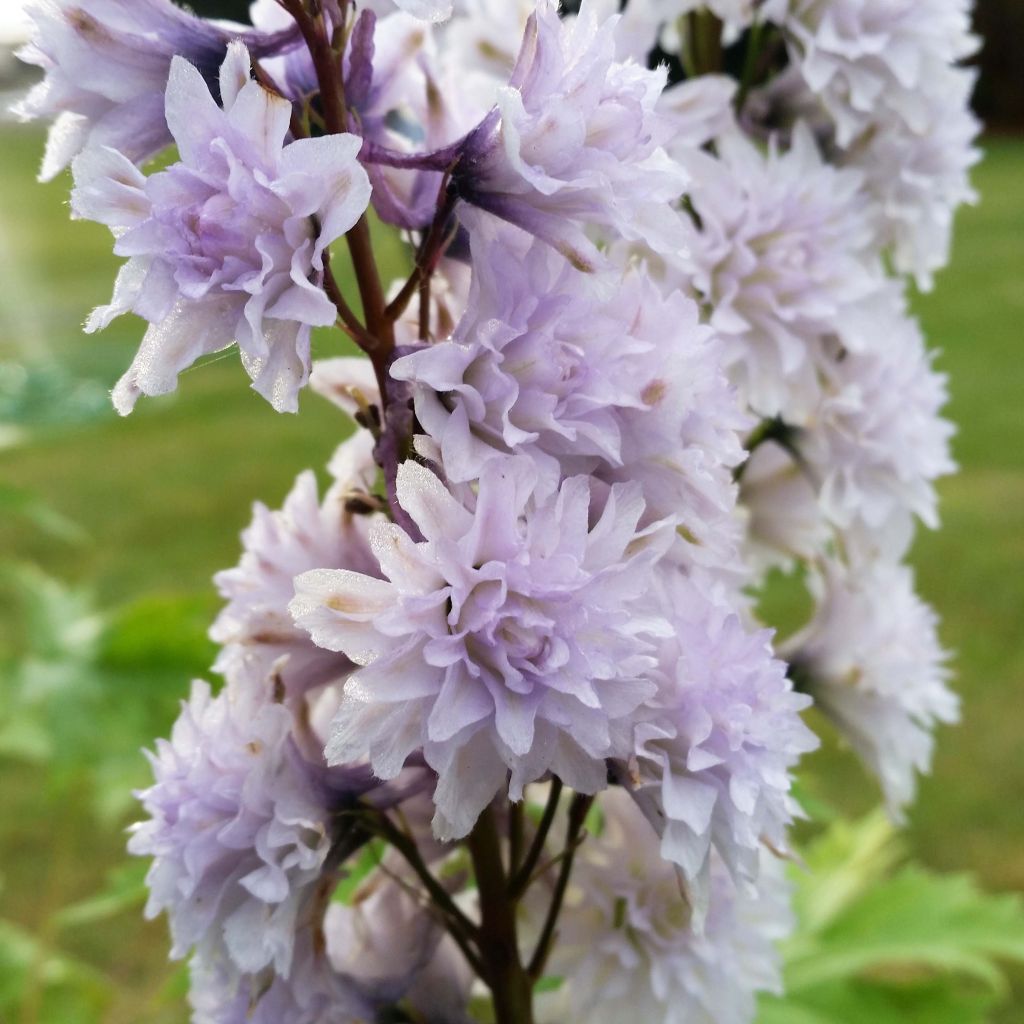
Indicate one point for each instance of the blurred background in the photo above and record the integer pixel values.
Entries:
(111, 529)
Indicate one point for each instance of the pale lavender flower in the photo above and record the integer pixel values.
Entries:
(627, 946)
(106, 65)
(351, 961)
(715, 747)
(574, 143)
(259, 640)
(595, 374)
(312, 993)
(784, 256)
(509, 639)
(240, 828)
(389, 941)
(872, 660)
(877, 443)
(228, 244)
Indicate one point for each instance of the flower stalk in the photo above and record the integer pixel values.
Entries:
(655, 343)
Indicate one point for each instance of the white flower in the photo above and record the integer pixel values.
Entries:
(877, 442)
(784, 520)
(628, 950)
(239, 830)
(697, 110)
(918, 179)
(868, 60)
(872, 660)
(783, 256)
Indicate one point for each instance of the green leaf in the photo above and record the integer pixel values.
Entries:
(359, 870)
(61, 622)
(917, 921)
(890, 945)
(842, 864)
(549, 983)
(857, 1002)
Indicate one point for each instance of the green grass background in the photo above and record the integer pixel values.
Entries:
(162, 497)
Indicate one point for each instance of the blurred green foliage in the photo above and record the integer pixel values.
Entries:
(110, 531)
(882, 941)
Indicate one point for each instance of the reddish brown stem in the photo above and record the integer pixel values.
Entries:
(327, 63)
(504, 973)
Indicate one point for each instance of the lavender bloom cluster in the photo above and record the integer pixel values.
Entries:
(655, 343)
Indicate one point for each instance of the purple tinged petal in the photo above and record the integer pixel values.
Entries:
(109, 189)
(689, 801)
(239, 243)
(460, 703)
(394, 680)
(234, 73)
(399, 560)
(430, 505)
(337, 609)
(173, 345)
(262, 118)
(193, 118)
(469, 776)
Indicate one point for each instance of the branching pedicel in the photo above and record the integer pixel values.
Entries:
(497, 715)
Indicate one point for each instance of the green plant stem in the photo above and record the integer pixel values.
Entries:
(701, 38)
(755, 40)
(510, 984)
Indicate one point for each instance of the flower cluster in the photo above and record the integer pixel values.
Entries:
(653, 340)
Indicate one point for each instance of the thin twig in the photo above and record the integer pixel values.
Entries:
(431, 248)
(353, 327)
(521, 879)
(578, 811)
(553, 862)
(406, 846)
(472, 958)
(515, 836)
